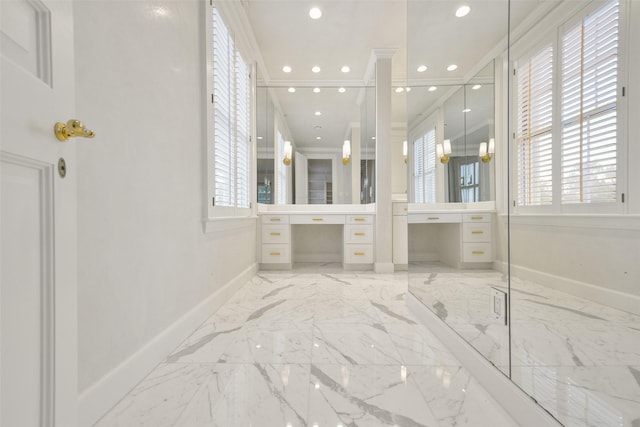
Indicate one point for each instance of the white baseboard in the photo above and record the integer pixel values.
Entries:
(506, 394)
(609, 297)
(95, 401)
(384, 267)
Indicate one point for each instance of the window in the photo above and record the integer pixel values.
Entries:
(589, 101)
(231, 120)
(533, 134)
(567, 139)
(424, 168)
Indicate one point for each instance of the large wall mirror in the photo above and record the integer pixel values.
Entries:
(315, 144)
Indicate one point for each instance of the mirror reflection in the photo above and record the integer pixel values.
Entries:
(315, 145)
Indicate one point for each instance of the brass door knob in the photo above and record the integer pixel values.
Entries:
(73, 128)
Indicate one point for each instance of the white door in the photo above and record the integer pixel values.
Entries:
(38, 316)
(302, 179)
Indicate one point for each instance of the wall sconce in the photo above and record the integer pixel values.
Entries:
(485, 152)
(404, 151)
(443, 150)
(346, 152)
(287, 153)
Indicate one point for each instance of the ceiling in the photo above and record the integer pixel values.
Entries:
(347, 33)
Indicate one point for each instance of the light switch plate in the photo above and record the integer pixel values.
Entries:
(499, 305)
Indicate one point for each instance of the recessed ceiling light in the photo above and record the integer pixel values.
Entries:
(342, 90)
(318, 113)
(286, 69)
(399, 90)
(316, 90)
(292, 89)
(318, 138)
(315, 69)
(476, 87)
(432, 88)
(462, 11)
(345, 69)
(408, 89)
(466, 110)
(422, 68)
(259, 137)
(373, 137)
(452, 67)
(315, 13)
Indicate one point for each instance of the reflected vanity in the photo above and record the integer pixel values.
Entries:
(316, 198)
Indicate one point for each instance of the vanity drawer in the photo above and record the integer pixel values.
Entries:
(358, 234)
(400, 209)
(317, 219)
(477, 217)
(359, 219)
(358, 254)
(275, 219)
(476, 252)
(436, 218)
(275, 254)
(275, 233)
(476, 232)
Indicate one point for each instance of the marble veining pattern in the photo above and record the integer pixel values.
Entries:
(315, 347)
(576, 357)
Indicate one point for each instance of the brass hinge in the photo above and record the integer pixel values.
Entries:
(622, 197)
(213, 201)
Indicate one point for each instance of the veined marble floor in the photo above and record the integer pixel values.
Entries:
(316, 347)
(580, 360)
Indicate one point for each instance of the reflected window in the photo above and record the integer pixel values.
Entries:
(282, 176)
(424, 167)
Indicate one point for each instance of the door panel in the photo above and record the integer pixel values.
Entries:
(38, 315)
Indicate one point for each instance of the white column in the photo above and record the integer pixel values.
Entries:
(384, 214)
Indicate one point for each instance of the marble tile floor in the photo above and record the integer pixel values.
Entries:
(577, 358)
(314, 347)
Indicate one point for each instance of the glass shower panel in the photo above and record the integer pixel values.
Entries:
(575, 299)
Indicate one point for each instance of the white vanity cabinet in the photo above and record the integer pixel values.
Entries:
(358, 239)
(275, 239)
(277, 249)
(467, 240)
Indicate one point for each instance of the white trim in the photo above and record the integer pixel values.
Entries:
(512, 398)
(607, 222)
(226, 224)
(609, 297)
(95, 401)
(384, 267)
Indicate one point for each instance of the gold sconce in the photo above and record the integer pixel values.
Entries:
(404, 151)
(73, 128)
(346, 152)
(486, 152)
(444, 150)
(287, 153)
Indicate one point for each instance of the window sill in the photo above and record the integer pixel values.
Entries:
(602, 221)
(226, 224)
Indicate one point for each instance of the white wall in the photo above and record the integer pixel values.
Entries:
(144, 260)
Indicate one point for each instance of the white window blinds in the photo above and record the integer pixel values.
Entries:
(424, 167)
(589, 104)
(534, 128)
(231, 111)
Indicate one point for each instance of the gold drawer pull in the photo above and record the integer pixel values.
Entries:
(274, 253)
(478, 252)
(275, 220)
(406, 209)
(359, 219)
(477, 232)
(318, 219)
(358, 253)
(433, 217)
(274, 234)
(477, 217)
(360, 234)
